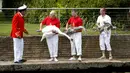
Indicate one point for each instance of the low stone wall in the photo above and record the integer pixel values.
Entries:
(34, 49)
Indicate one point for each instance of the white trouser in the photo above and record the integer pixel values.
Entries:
(18, 48)
(105, 40)
(76, 44)
(52, 43)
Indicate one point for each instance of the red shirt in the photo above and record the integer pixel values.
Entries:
(75, 21)
(47, 21)
(17, 25)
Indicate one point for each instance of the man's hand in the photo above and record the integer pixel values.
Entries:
(26, 32)
(18, 35)
(66, 29)
(40, 29)
(97, 24)
(78, 30)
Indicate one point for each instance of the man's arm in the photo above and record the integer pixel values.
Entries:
(67, 26)
(40, 27)
(43, 22)
(98, 22)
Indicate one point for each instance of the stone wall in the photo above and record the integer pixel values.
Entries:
(34, 49)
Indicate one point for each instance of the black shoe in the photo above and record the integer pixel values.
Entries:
(23, 60)
(17, 62)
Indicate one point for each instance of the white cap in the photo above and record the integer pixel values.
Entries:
(53, 12)
(22, 7)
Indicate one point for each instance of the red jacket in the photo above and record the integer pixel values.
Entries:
(49, 20)
(75, 22)
(17, 25)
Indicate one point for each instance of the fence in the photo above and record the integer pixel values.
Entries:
(120, 16)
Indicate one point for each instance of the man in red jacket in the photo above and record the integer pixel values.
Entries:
(17, 34)
(52, 41)
(76, 46)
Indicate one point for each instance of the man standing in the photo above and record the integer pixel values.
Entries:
(17, 34)
(104, 24)
(76, 45)
(52, 41)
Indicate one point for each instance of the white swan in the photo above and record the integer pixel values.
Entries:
(48, 32)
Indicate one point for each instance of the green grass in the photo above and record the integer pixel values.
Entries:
(5, 29)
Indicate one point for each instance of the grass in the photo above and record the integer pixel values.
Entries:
(5, 29)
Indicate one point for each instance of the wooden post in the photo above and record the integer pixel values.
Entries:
(0, 5)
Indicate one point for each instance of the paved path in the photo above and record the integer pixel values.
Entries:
(63, 64)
